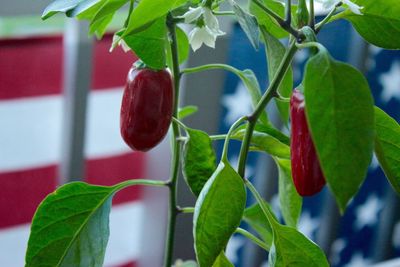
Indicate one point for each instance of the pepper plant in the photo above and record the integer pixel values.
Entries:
(335, 127)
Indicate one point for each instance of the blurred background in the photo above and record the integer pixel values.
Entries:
(60, 95)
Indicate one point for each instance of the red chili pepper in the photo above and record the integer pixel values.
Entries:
(147, 107)
(306, 170)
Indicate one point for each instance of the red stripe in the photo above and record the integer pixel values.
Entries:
(113, 170)
(21, 193)
(128, 264)
(110, 69)
(30, 67)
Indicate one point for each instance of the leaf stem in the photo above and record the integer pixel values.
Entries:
(211, 67)
(288, 12)
(187, 210)
(286, 26)
(319, 25)
(268, 95)
(172, 182)
(228, 136)
(141, 182)
(266, 210)
(253, 238)
(312, 15)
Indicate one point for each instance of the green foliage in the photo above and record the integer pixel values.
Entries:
(186, 111)
(147, 11)
(380, 22)
(266, 143)
(249, 25)
(268, 22)
(217, 214)
(292, 248)
(387, 146)
(254, 216)
(222, 261)
(59, 6)
(198, 161)
(289, 200)
(149, 44)
(339, 110)
(275, 51)
(70, 227)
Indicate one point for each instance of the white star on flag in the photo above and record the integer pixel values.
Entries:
(367, 213)
(391, 83)
(337, 247)
(308, 225)
(357, 260)
(234, 244)
(238, 104)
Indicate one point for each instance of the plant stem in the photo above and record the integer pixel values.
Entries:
(227, 138)
(172, 182)
(223, 13)
(253, 238)
(187, 210)
(312, 15)
(286, 26)
(141, 182)
(211, 67)
(268, 95)
(326, 19)
(288, 12)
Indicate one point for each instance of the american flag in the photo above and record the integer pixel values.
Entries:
(31, 107)
(356, 237)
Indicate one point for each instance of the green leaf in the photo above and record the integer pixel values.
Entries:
(271, 130)
(255, 217)
(387, 146)
(109, 7)
(275, 52)
(380, 22)
(86, 9)
(292, 248)
(340, 114)
(289, 200)
(265, 20)
(266, 143)
(222, 261)
(99, 27)
(250, 81)
(70, 227)
(249, 25)
(149, 10)
(59, 6)
(149, 44)
(186, 111)
(217, 213)
(198, 161)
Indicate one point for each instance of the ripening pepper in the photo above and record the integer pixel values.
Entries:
(306, 170)
(147, 107)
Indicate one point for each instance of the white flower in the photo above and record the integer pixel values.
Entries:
(200, 35)
(193, 14)
(329, 4)
(207, 33)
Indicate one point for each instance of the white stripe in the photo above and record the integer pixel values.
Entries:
(126, 224)
(30, 129)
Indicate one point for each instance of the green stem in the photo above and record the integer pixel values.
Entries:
(218, 137)
(187, 209)
(141, 182)
(286, 26)
(288, 12)
(172, 182)
(312, 15)
(211, 67)
(228, 136)
(310, 45)
(265, 209)
(223, 13)
(253, 238)
(326, 19)
(268, 95)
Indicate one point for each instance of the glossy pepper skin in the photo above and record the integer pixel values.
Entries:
(147, 107)
(306, 170)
